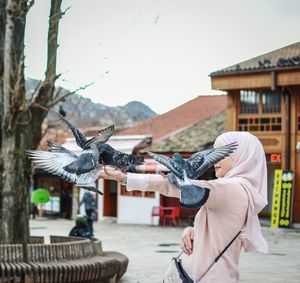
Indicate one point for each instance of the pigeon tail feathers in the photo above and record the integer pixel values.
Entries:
(193, 196)
(92, 189)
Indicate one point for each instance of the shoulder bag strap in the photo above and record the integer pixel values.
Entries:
(221, 253)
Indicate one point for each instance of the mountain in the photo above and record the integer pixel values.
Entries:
(84, 113)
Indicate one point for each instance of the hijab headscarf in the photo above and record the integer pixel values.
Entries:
(250, 170)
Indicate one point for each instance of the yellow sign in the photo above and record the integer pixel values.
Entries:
(282, 195)
(276, 198)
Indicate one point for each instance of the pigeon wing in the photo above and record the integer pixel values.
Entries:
(83, 164)
(53, 162)
(169, 163)
(199, 162)
(54, 147)
(103, 136)
(79, 137)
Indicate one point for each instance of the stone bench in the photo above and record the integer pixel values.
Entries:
(66, 259)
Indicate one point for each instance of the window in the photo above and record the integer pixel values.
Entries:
(248, 101)
(271, 102)
(260, 111)
(260, 124)
(124, 192)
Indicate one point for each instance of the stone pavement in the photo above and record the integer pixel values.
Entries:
(150, 249)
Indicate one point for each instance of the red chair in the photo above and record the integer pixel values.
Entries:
(157, 211)
(173, 216)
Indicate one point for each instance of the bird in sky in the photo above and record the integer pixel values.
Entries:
(182, 171)
(83, 169)
(121, 160)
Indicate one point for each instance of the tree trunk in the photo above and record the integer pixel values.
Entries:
(14, 185)
(20, 123)
(2, 38)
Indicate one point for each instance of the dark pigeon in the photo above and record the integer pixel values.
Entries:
(182, 171)
(84, 169)
(121, 160)
(81, 140)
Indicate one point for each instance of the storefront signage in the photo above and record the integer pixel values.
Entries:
(282, 196)
(273, 157)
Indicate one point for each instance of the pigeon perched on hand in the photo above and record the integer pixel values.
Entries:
(82, 170)
(121, 160)
(182, 171)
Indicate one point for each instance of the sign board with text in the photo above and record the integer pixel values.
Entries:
(282, 199)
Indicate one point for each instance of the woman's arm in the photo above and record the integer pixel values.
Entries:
(151, 182)
(142, 182)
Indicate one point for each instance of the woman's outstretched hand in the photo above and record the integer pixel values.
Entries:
(112, 174)
(187, 239)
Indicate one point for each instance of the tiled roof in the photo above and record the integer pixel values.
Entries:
(180, 118)
(193, 139)
(283, 58)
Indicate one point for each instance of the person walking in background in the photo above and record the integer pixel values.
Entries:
(236, 197)
(90, 209)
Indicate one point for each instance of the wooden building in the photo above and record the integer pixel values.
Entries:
(264, 99)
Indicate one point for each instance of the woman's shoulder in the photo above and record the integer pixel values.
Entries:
(220, 182)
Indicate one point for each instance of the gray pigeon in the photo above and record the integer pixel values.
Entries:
(84, 169)
(121, 160)
(57, 159)
(182, 171)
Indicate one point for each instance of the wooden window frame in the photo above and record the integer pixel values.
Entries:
(276, 119)
(141, 194)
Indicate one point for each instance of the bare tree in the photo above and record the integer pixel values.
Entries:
(20, 117)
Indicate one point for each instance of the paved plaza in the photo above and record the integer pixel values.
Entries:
(150, 248)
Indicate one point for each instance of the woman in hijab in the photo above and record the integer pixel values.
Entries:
(236, 197)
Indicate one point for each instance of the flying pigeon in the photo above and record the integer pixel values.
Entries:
(58, 158)
(121, 160)
(182, 171)
(82, 170)
(80, 138)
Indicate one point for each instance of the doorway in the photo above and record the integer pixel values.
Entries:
(110, 196)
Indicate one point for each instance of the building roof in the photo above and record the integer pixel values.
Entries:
(125, 144)
(193, 139)
(284, 58)
(184, 116)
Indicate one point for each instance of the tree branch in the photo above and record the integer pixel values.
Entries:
(58, 99)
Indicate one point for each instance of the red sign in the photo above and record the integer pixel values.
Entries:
(275, 157)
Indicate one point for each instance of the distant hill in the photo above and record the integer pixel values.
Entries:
(84, 113)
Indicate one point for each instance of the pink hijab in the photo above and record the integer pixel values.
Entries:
(250, 170)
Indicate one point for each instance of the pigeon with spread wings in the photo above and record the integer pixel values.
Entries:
(82, 170)
(183, 170)
(55, 162)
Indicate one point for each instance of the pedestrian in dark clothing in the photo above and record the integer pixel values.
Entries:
(90, 209)
(81, 229)
(33, 210)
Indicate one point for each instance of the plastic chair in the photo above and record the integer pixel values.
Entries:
(173, 216)
(157, 211)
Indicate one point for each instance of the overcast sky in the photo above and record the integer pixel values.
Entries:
(160, 52)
